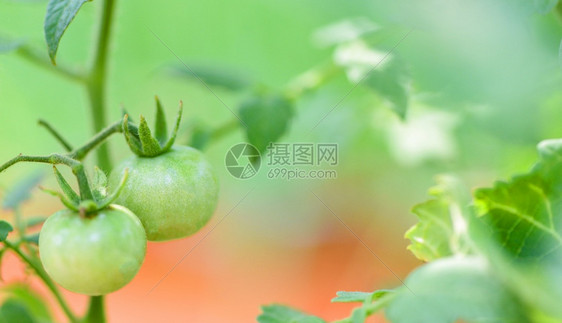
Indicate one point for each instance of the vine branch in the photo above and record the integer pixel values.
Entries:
(46, 279)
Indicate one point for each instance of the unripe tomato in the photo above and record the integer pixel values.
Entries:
(173, 194)
(94, 255)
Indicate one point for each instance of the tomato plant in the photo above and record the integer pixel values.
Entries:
(172, 189)
(491, 255)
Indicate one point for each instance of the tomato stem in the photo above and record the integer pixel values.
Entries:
(96, 92)
(38, 268)
(55, 159)
(96, 310)
(96, 85)
(80, 153)
(55, 134)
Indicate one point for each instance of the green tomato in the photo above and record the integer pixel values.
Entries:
(93, 255)
(173, 194)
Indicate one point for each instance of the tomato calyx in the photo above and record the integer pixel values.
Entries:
(140, 139)
(100, 199)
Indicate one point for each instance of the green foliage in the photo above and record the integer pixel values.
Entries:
(391, 80)
(440, 231)
(13, 311)
(351, 297)
(5, 229)
(524, 214)
(25, 302)
(60, 14)
(21, 191)
(140, 139)
(382, 72)
(266, 118)
(452, 289)
(99, 184)
(66, 189)
(284, 314)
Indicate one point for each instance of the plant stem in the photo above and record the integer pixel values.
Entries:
(96, 92)
(96, 85)
(55, 134)
(46, 279)
(80, 153)
(33, 57)
(311, 80)
(55, 159)
(96, 310)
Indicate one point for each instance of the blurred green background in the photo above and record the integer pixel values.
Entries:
(484, 90)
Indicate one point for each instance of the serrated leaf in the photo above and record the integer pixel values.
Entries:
(214, 76)
(524, 214)
(5, 229)
(99, 184)
(284, 314)
(60, 14)
(544, 6)
(266, 119)
(160, 126)
(150, 146)
(453, 289)
(65, 187)
(441, 230)
(35, 304)
(21, 191)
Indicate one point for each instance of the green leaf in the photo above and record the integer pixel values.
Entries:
(390, 80)
(36, 220)
(32, 238)
(99, 184)
(524, 214)
(379, 71)
(284, 314)
(5, 229)
(358, 315)
(443, 221)
(13, 311)
(21, 191)
(65, 187)
(160, 127)
(266, 119)
(351, 297)
(60, 14)
(34, 303)
(452, 289)
(544, 6)
(214, 76)
(150, 146)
